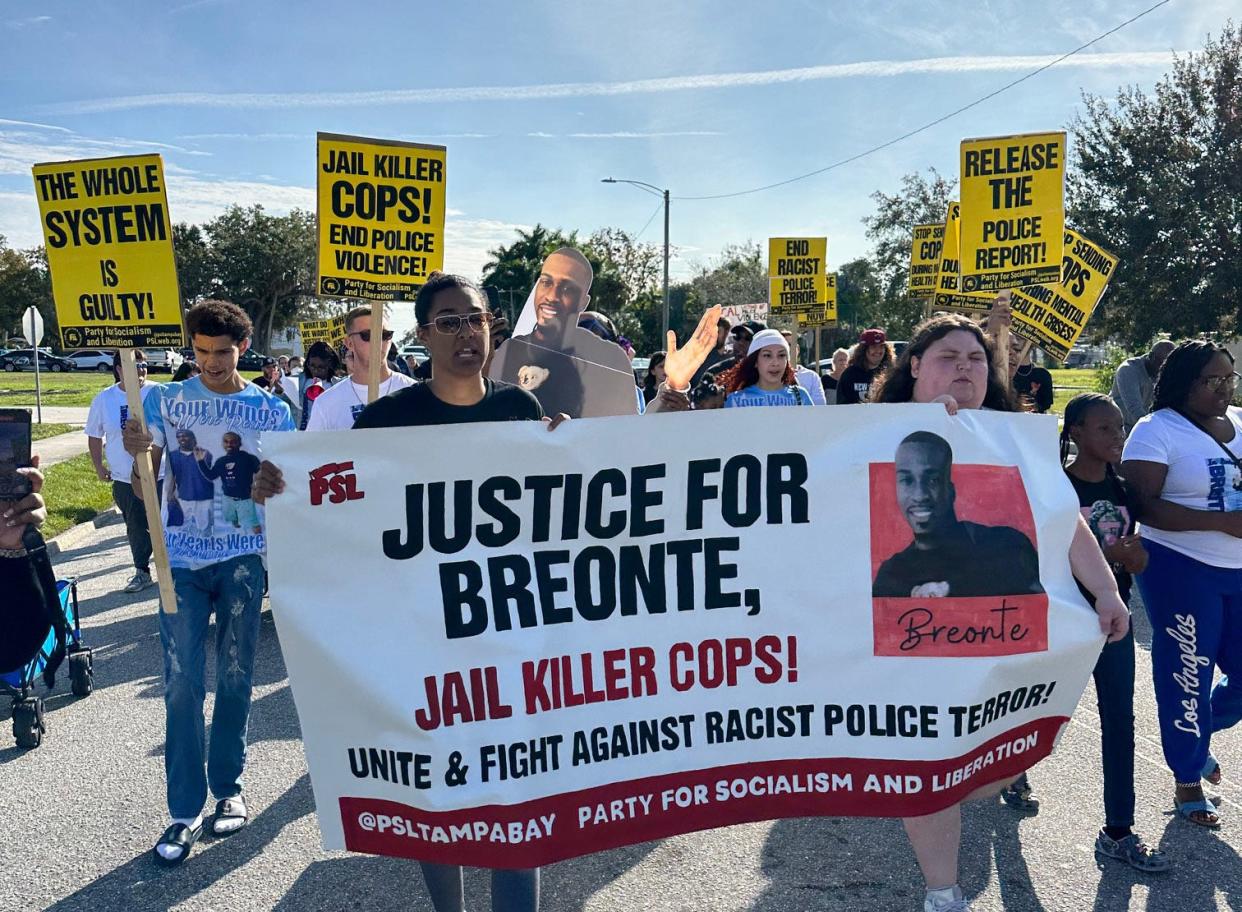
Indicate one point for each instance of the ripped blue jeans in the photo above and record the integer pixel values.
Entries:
(233, 589)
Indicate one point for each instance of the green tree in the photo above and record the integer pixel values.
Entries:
(264, 264)
(196, 263)
(859, 302)
(1157, 180)
(24, 281)
(921, 200)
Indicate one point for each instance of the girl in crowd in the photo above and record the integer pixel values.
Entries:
(185, 371)
(707, 395)
(453, 323)
(1182, 463)
(950, 361)
(871, 357)
(654, 377)
(1094, 425)
(764, 377)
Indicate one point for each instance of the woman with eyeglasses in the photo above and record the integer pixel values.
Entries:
(453, 323)
(1183, 462)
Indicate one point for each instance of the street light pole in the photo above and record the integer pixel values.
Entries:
(665, 195)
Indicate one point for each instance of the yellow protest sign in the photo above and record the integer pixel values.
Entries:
(109, 249)
(925, 259)
(1013, 211)
(948, 297)
(381, 216)
(1054, 316)
(331, 330)
(796, 274)
(825, 316)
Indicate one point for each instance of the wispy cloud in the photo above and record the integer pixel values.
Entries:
(27, 22)
(862, 69)
(285, 137)
(625, 134)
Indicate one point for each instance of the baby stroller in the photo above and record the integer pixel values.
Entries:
(58, 616)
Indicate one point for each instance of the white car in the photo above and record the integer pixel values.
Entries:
(95, 359)
(162, 359)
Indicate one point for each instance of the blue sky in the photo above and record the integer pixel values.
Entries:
(537, 101)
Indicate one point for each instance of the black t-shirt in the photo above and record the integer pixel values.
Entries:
(417, 405)
(423, 371)
(854, 384)
(1107, 508)
(1035, 383)
(829, 382)
(974, 560)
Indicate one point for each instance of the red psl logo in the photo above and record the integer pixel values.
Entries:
(337, 480)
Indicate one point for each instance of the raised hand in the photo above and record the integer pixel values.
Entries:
(681, 363)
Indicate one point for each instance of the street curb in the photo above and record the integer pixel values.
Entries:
(74, 534)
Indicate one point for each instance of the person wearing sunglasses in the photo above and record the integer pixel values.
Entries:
(454, 324)
(1183, 464)
(338, 407)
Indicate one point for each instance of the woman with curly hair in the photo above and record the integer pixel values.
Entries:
(764, 376)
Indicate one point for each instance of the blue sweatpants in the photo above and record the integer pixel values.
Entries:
(1196, 620)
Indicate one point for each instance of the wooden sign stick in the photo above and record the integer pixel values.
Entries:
(146, 477)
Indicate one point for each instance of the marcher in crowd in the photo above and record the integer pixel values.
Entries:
(950, 361)
(453, 322)
(1094, 425)
(717, 354)
(739, 344)
(105, 422)
(1182, 463)
(806, 378)
(185, 370)
(338, 407)
(872, 355)
(654, 376)
(322, 364)
(830, 380)
(1135, 380)
(1032, 383)
(764, 377)
(216, 572)
(707, 395)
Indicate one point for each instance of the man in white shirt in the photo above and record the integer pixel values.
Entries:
(807, 378)
(337, 407)
(104, 422)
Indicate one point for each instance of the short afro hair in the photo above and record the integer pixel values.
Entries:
(218, 318)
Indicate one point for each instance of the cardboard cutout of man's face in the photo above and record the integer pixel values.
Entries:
(924, 488)
(562, 291)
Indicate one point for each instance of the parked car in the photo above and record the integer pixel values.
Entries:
(163, 360)
(251, 360)
(418, 351)
(95, 359)
(22, 361)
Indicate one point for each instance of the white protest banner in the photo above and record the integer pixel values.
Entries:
(743, 313)
(628, 639)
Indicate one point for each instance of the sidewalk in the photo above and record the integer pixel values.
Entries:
(52, 450)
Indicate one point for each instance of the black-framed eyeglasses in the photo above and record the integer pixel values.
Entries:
(1214, 383)
(450, 324)
(365, 335)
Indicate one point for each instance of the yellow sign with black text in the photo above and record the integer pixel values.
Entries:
(948, 297)
(109, 246)
(827, 315)
(1013, 211)
(381, 216)
(331, 330)
(925, 259)
(797, 271)
(1054, 316)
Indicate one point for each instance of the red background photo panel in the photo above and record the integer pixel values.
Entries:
(1004, 624)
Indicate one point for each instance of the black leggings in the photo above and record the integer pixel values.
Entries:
(512, 891)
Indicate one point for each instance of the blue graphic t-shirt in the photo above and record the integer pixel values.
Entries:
(212, 446)
(753, 395)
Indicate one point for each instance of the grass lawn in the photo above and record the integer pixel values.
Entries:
(74, 494)
(1069, 383)
(50, 429)
(76, 388)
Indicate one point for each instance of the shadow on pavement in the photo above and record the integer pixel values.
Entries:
(140, 885)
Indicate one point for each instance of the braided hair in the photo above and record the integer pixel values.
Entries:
(1076, 411)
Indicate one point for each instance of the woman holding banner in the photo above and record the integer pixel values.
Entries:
(950, 361)
(1182, 461)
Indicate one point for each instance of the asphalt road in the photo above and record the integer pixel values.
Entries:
(78, 817)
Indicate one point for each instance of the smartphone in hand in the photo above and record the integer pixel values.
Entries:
(14, 452)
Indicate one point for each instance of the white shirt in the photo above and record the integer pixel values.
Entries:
(1201, 476)
(107, 416)
(338, 406)
(809, 381)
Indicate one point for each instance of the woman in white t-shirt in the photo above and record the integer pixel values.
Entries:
(1183, 463)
